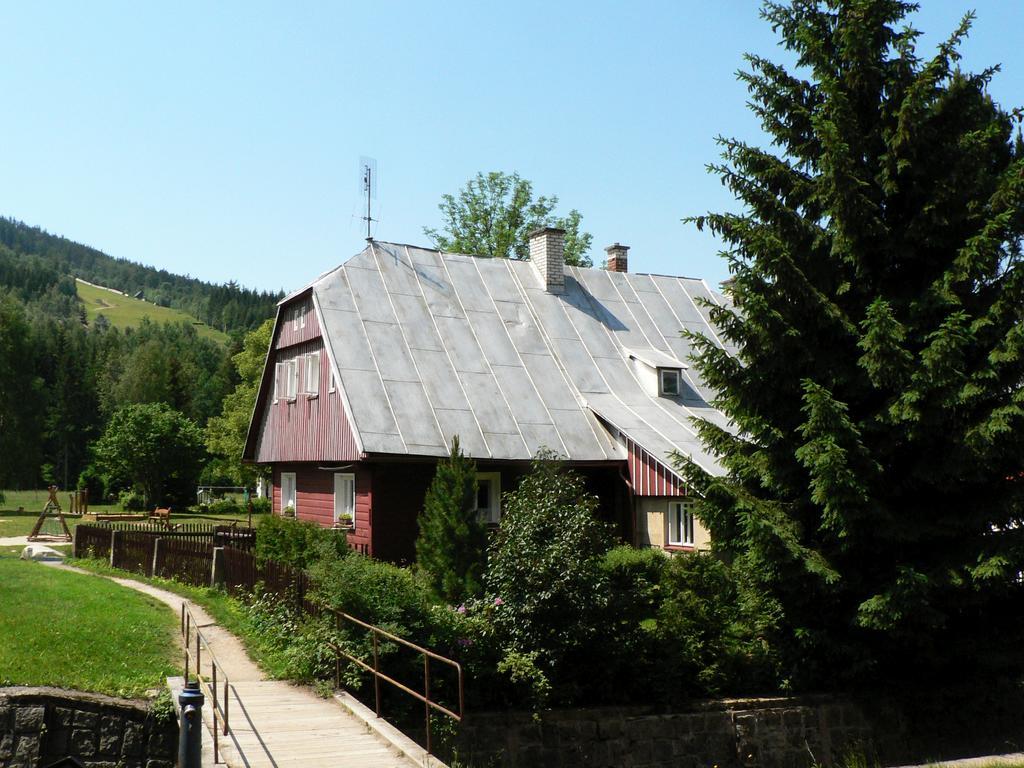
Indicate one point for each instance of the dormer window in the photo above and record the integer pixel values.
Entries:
(668, 382)
(658, 372)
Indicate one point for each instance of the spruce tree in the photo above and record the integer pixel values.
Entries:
(452, 541)
(873, 487)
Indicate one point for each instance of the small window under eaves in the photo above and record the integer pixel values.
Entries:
(669, 383)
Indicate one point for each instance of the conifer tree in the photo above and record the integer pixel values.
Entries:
(452, 542)
(873, 485)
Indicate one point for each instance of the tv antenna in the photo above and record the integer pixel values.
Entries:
(370, 180)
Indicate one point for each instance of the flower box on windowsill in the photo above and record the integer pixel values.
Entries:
(345, 523)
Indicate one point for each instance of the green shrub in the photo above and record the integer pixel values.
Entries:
(452, 544)
(546, 566)
(92, 481)
(710, 632)
(297, 543)
(298, 644)
(132, 501)
(224, 507)
(261, 505)
(374, 591)
(635, 575)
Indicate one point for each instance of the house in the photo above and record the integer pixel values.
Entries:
(377, 364)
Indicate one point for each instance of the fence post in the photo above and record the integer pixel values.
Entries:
(74, 543)
(158, 545)
(115, 537)
(217, 576)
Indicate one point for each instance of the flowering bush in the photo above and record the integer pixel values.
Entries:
(545, 564)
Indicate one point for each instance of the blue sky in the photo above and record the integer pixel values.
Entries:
(222, 140)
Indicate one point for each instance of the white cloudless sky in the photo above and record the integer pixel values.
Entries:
(222, 140)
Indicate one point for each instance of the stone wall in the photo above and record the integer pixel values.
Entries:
(38, 726)
(750, 733)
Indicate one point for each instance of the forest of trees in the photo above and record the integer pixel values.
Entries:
(63, 379)
(33, 260)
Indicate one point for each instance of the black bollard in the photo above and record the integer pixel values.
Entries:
(190, 738)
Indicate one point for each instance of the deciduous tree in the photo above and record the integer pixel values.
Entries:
(225, 434)
(494, 214)
(153, 448)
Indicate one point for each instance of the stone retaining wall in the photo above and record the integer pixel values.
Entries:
(766, 733)
(39, 726)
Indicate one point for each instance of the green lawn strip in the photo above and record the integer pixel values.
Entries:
(66, 630)
(21, 523)
(227, 611)
(126, 312)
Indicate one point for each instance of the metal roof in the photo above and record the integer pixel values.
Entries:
(428, 345)
(655, 358)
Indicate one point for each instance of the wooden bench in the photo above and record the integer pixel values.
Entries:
(162, 515)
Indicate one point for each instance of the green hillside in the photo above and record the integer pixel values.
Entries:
(125, 312)
(33, 260)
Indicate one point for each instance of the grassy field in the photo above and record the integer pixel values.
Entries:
(62, 629)
(226, 611)
(126, 312)
(15, 523)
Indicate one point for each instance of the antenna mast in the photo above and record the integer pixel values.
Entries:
(368, 167)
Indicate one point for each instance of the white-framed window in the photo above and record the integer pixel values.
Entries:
(345, 499)
(291, 378)
(311, 376)
(278, 383)
(668, 381)
(488, 496)
(332, 385)
(302, 317)
(289, 497)
(295, 319)
(680, 524)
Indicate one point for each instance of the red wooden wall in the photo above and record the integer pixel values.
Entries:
(314, 492)
(306, 428)
(298, 323)
(651, 477)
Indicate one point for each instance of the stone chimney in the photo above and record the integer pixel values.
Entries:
(617, 258)
(547, 252)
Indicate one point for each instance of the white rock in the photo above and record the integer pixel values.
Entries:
(40, 552)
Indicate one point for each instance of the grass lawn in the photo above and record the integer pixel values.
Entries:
(20, 523)
(126, 312)
(14, 523)
(75, 631)
(34, 501)
(226, 611)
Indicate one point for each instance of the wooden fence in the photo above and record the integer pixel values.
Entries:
(188, 556)
(187, 561)
(240, 537)
(243, 573)
(132, 552)
(92, 541)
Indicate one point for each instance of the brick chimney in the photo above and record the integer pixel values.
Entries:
(547, 252)
(617, 258)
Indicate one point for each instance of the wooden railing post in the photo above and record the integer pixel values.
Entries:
(426, 697)
(376, 672)
(115, 537)
(157, 551)
(217, 567)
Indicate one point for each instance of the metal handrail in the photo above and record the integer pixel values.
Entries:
(428, 704)
(187, 623)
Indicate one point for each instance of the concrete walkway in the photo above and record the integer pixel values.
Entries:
(277, 724)
(1016, 758)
